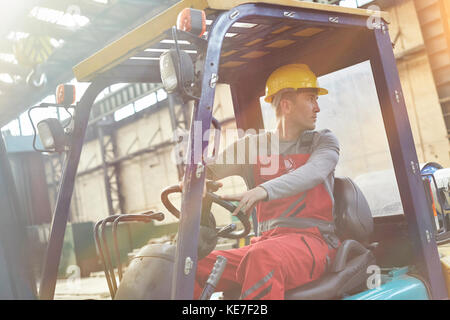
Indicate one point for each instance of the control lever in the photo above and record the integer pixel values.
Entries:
(226, 230)
(214, 277)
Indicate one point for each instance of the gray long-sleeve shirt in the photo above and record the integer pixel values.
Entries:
(239, 157)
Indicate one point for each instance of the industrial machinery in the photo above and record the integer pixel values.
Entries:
(244, 43)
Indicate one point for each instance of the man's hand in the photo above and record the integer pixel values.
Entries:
(210, 186)
(247, 200)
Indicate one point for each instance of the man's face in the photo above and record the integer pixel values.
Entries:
(304, 109)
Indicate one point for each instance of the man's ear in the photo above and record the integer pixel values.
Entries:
(285, 106)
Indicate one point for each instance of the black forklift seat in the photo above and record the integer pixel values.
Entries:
(354, 226)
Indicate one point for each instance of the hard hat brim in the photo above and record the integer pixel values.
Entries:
(320, 92)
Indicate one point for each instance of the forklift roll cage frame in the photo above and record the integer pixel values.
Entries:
(345, 40)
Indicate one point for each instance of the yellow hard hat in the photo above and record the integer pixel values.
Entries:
(296, 76)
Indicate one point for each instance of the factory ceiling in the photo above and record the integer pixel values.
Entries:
(41, 40)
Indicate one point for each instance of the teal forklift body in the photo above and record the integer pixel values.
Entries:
(396, 286)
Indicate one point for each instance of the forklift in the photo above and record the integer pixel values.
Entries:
(242, 45)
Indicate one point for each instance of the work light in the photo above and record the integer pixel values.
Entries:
(176, 73)
(168, 73)
(52, 135)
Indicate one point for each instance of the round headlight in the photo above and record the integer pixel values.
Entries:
(168, 72)
(171, 77)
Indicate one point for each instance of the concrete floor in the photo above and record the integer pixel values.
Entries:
(93, 287)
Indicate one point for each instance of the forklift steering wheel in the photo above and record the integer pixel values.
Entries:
(225, 232)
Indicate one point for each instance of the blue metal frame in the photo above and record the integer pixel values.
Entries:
(61, 214)
(406, 164)
(397, 127)
(186, 253)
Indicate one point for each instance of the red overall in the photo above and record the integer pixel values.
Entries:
(281, 258)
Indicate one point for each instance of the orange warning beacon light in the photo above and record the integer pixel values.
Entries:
(65, 94)
(192, 20)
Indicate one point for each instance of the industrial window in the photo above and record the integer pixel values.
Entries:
(145, 102)
(124, 112)
(161, 94)
(12, 128)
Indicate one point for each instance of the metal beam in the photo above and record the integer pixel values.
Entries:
(120, 98)
(71, 53)
(61, 213)
(178, 121)
(128, 157)
(111, 173)
(406, 164)
(32, 25)
(56, 163)
(131, 43)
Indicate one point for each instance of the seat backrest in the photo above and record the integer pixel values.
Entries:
(352, 214)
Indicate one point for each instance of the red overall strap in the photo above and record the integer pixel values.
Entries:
(315, 203)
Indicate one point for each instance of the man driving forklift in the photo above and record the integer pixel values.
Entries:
(294, 203)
